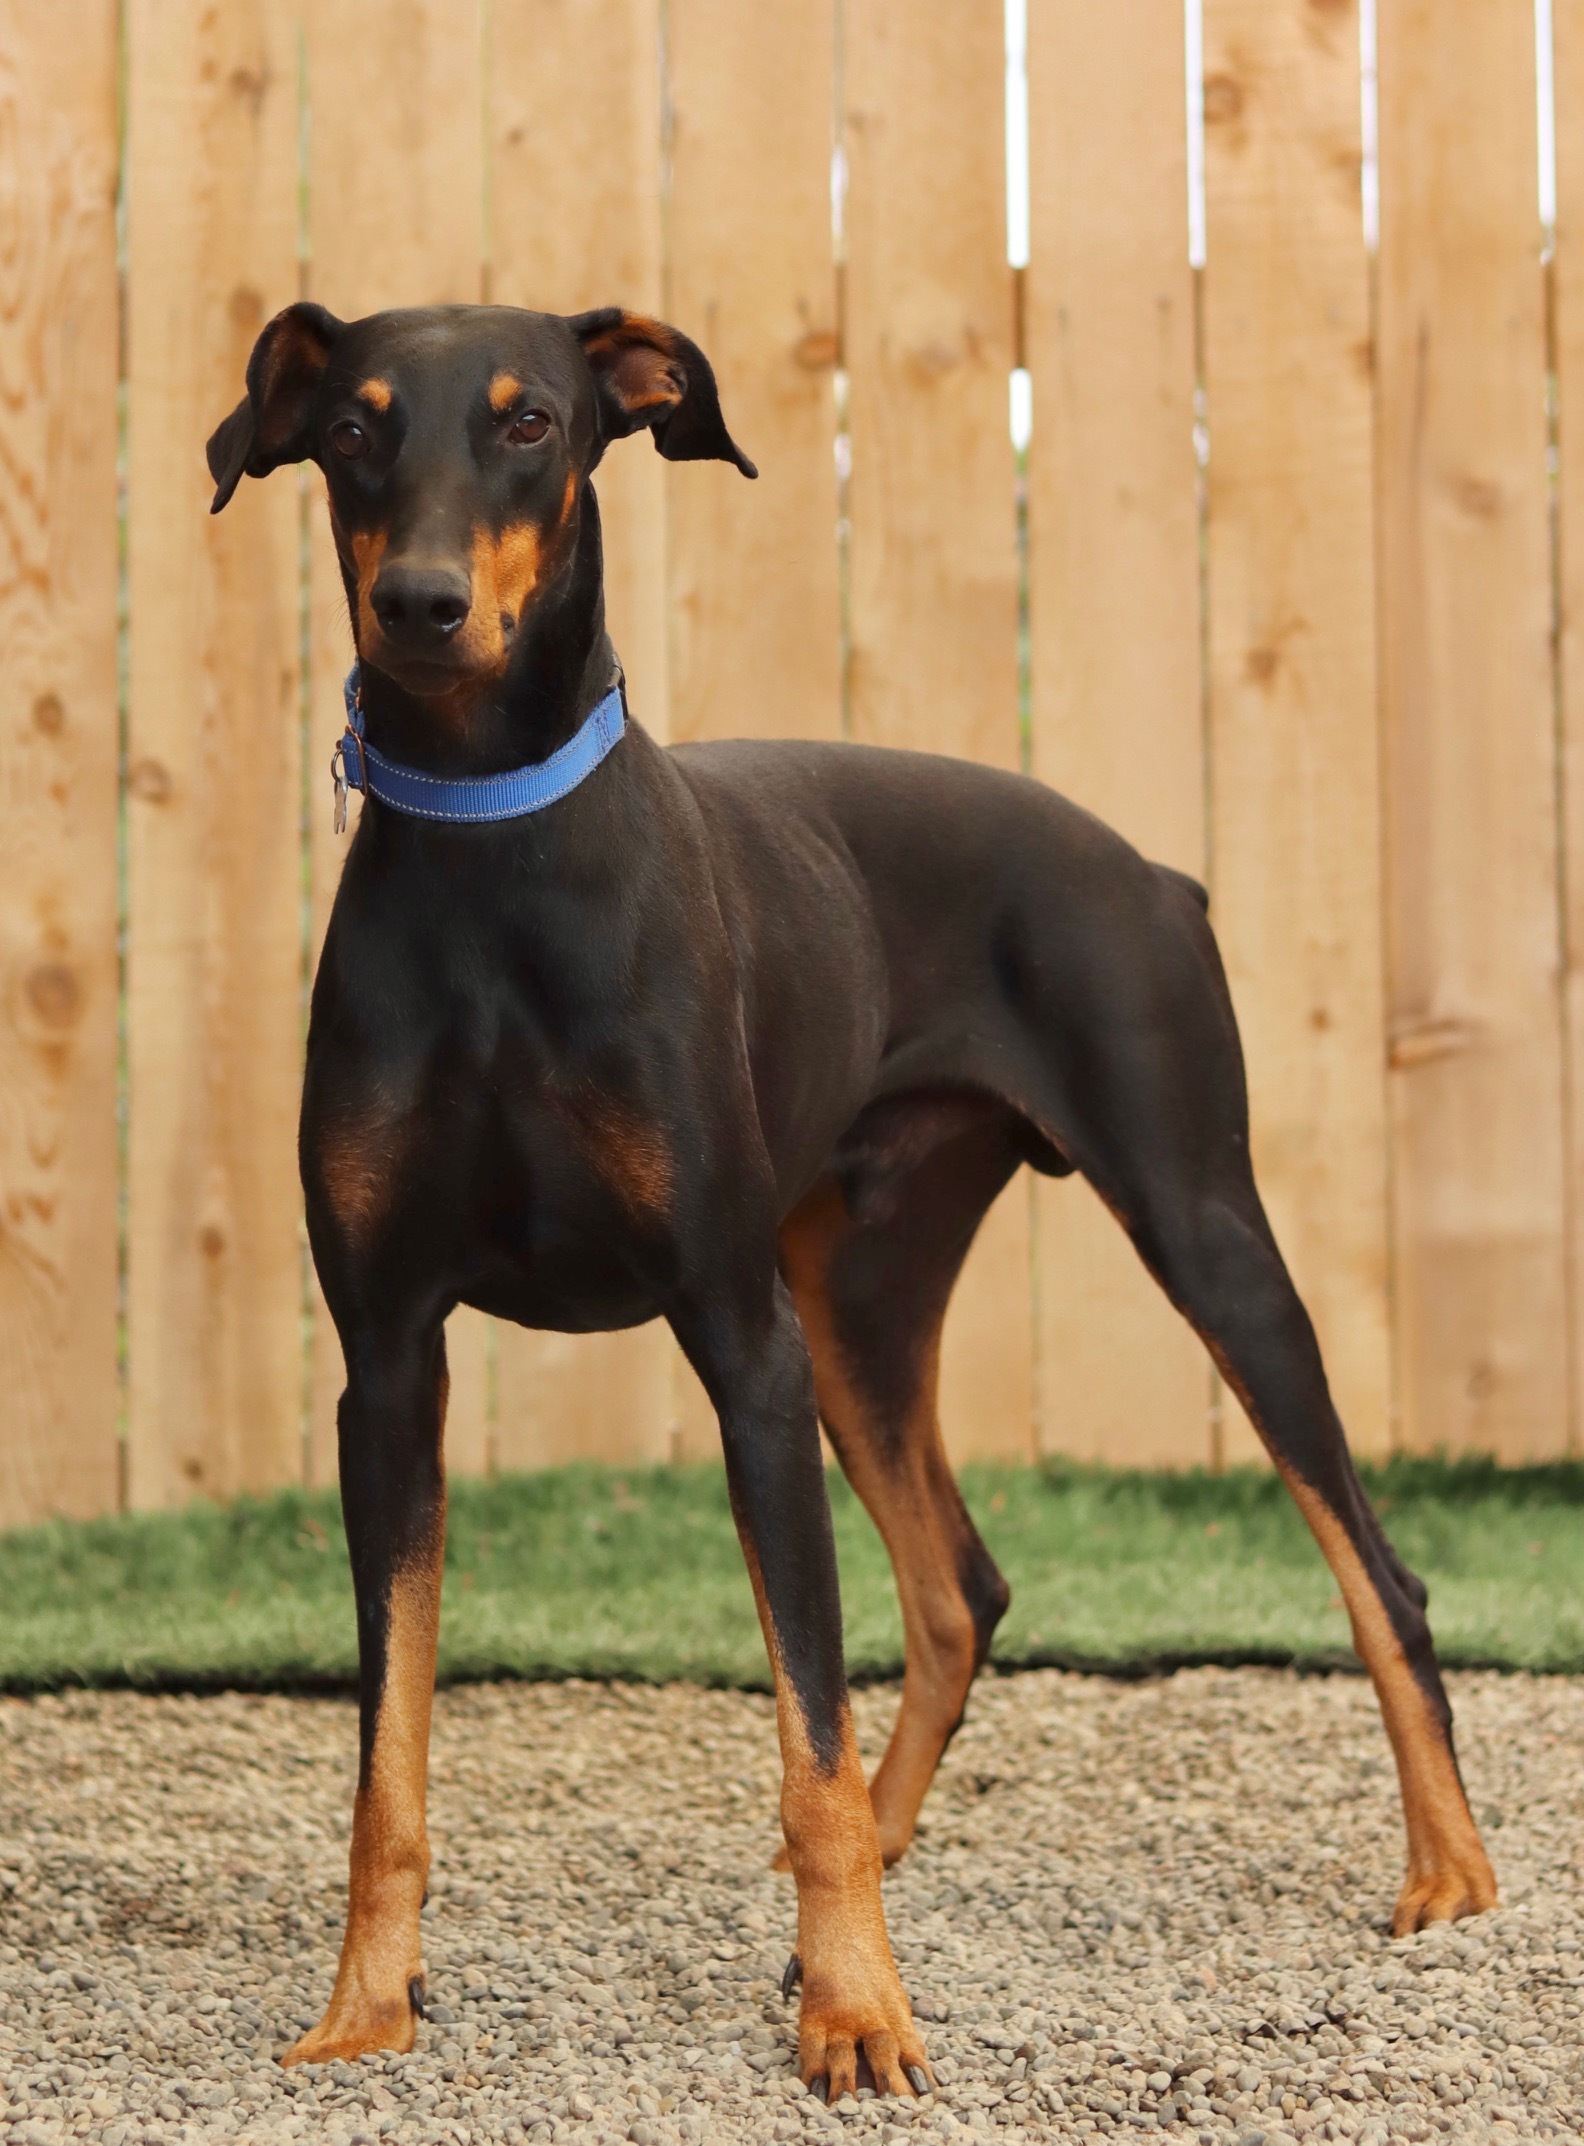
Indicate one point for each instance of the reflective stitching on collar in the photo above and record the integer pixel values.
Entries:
(477, 798)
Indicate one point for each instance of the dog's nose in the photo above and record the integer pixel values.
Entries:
(421, 602)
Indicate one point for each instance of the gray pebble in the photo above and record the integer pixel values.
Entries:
(1131, 1909)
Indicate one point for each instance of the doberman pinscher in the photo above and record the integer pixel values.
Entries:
(746, 1037)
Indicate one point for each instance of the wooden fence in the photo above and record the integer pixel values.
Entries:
(1304, 584)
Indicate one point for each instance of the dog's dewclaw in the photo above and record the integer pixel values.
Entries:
(791, 1976)
(415, 1996)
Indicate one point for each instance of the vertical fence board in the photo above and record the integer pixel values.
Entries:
(754, 606)
(724, 603)
(395, 217)
(575, 97)
(1294, 739)
(213, 974)
(1465, 578)
(58, 762)
(1568, 272)
(934, 554)
(1115, 649)
(756, 624)
(575, 215)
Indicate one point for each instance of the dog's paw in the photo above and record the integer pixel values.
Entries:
(1460, 1886)
(842, 2038)
(357, 2024)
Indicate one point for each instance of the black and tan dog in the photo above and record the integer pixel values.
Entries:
(746, 1037)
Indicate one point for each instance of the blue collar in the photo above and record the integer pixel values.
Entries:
(357, 766)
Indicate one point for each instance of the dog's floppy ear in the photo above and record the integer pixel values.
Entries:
(269, 425)
(648, 374)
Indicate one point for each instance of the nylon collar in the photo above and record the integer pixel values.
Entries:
(470, 798)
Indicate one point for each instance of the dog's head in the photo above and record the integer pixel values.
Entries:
(455, 443)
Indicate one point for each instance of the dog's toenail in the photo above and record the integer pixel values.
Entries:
(821, 2089)
(415, 1996)
(917, 2078)
(791, 1977)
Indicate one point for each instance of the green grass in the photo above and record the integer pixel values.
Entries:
(636, 1573)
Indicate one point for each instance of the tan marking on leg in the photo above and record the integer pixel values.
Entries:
(852, 1994)
(376, 393)
(370, 2007)
(1449, 1873)
(504, 390)
(913, 1506)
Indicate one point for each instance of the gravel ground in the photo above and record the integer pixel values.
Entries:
(1131, 1906)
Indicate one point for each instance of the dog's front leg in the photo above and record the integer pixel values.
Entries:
(393, 1496)
(759, 1375)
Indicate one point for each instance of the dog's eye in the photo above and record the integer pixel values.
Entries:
(531, 426)
(349, 439)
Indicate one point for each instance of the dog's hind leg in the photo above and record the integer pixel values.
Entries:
(872, 1297)
(391, 1423)
(1155, 1113)
(1224, 1269)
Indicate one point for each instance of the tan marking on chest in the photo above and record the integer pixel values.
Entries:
(641, 1164)
(360, 1155)
(625, 1152)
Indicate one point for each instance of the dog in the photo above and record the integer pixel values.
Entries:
(745, 1036)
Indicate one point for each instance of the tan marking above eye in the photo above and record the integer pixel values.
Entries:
(504, 390)
(376, 393)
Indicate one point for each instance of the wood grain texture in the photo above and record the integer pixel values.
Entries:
(1114, 621)
(929, 351)
(933, 548)
(58, 747)
(575, 215)
(395, 218)
(754, 605)
(1294, 725)
(597, 1397)
(214, 981)
(1568, 273)
(575, 113)
(1476, 1046)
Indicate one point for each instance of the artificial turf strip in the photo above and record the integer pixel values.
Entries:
(636, 1573)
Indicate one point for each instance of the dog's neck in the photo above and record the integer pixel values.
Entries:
(562, 665)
